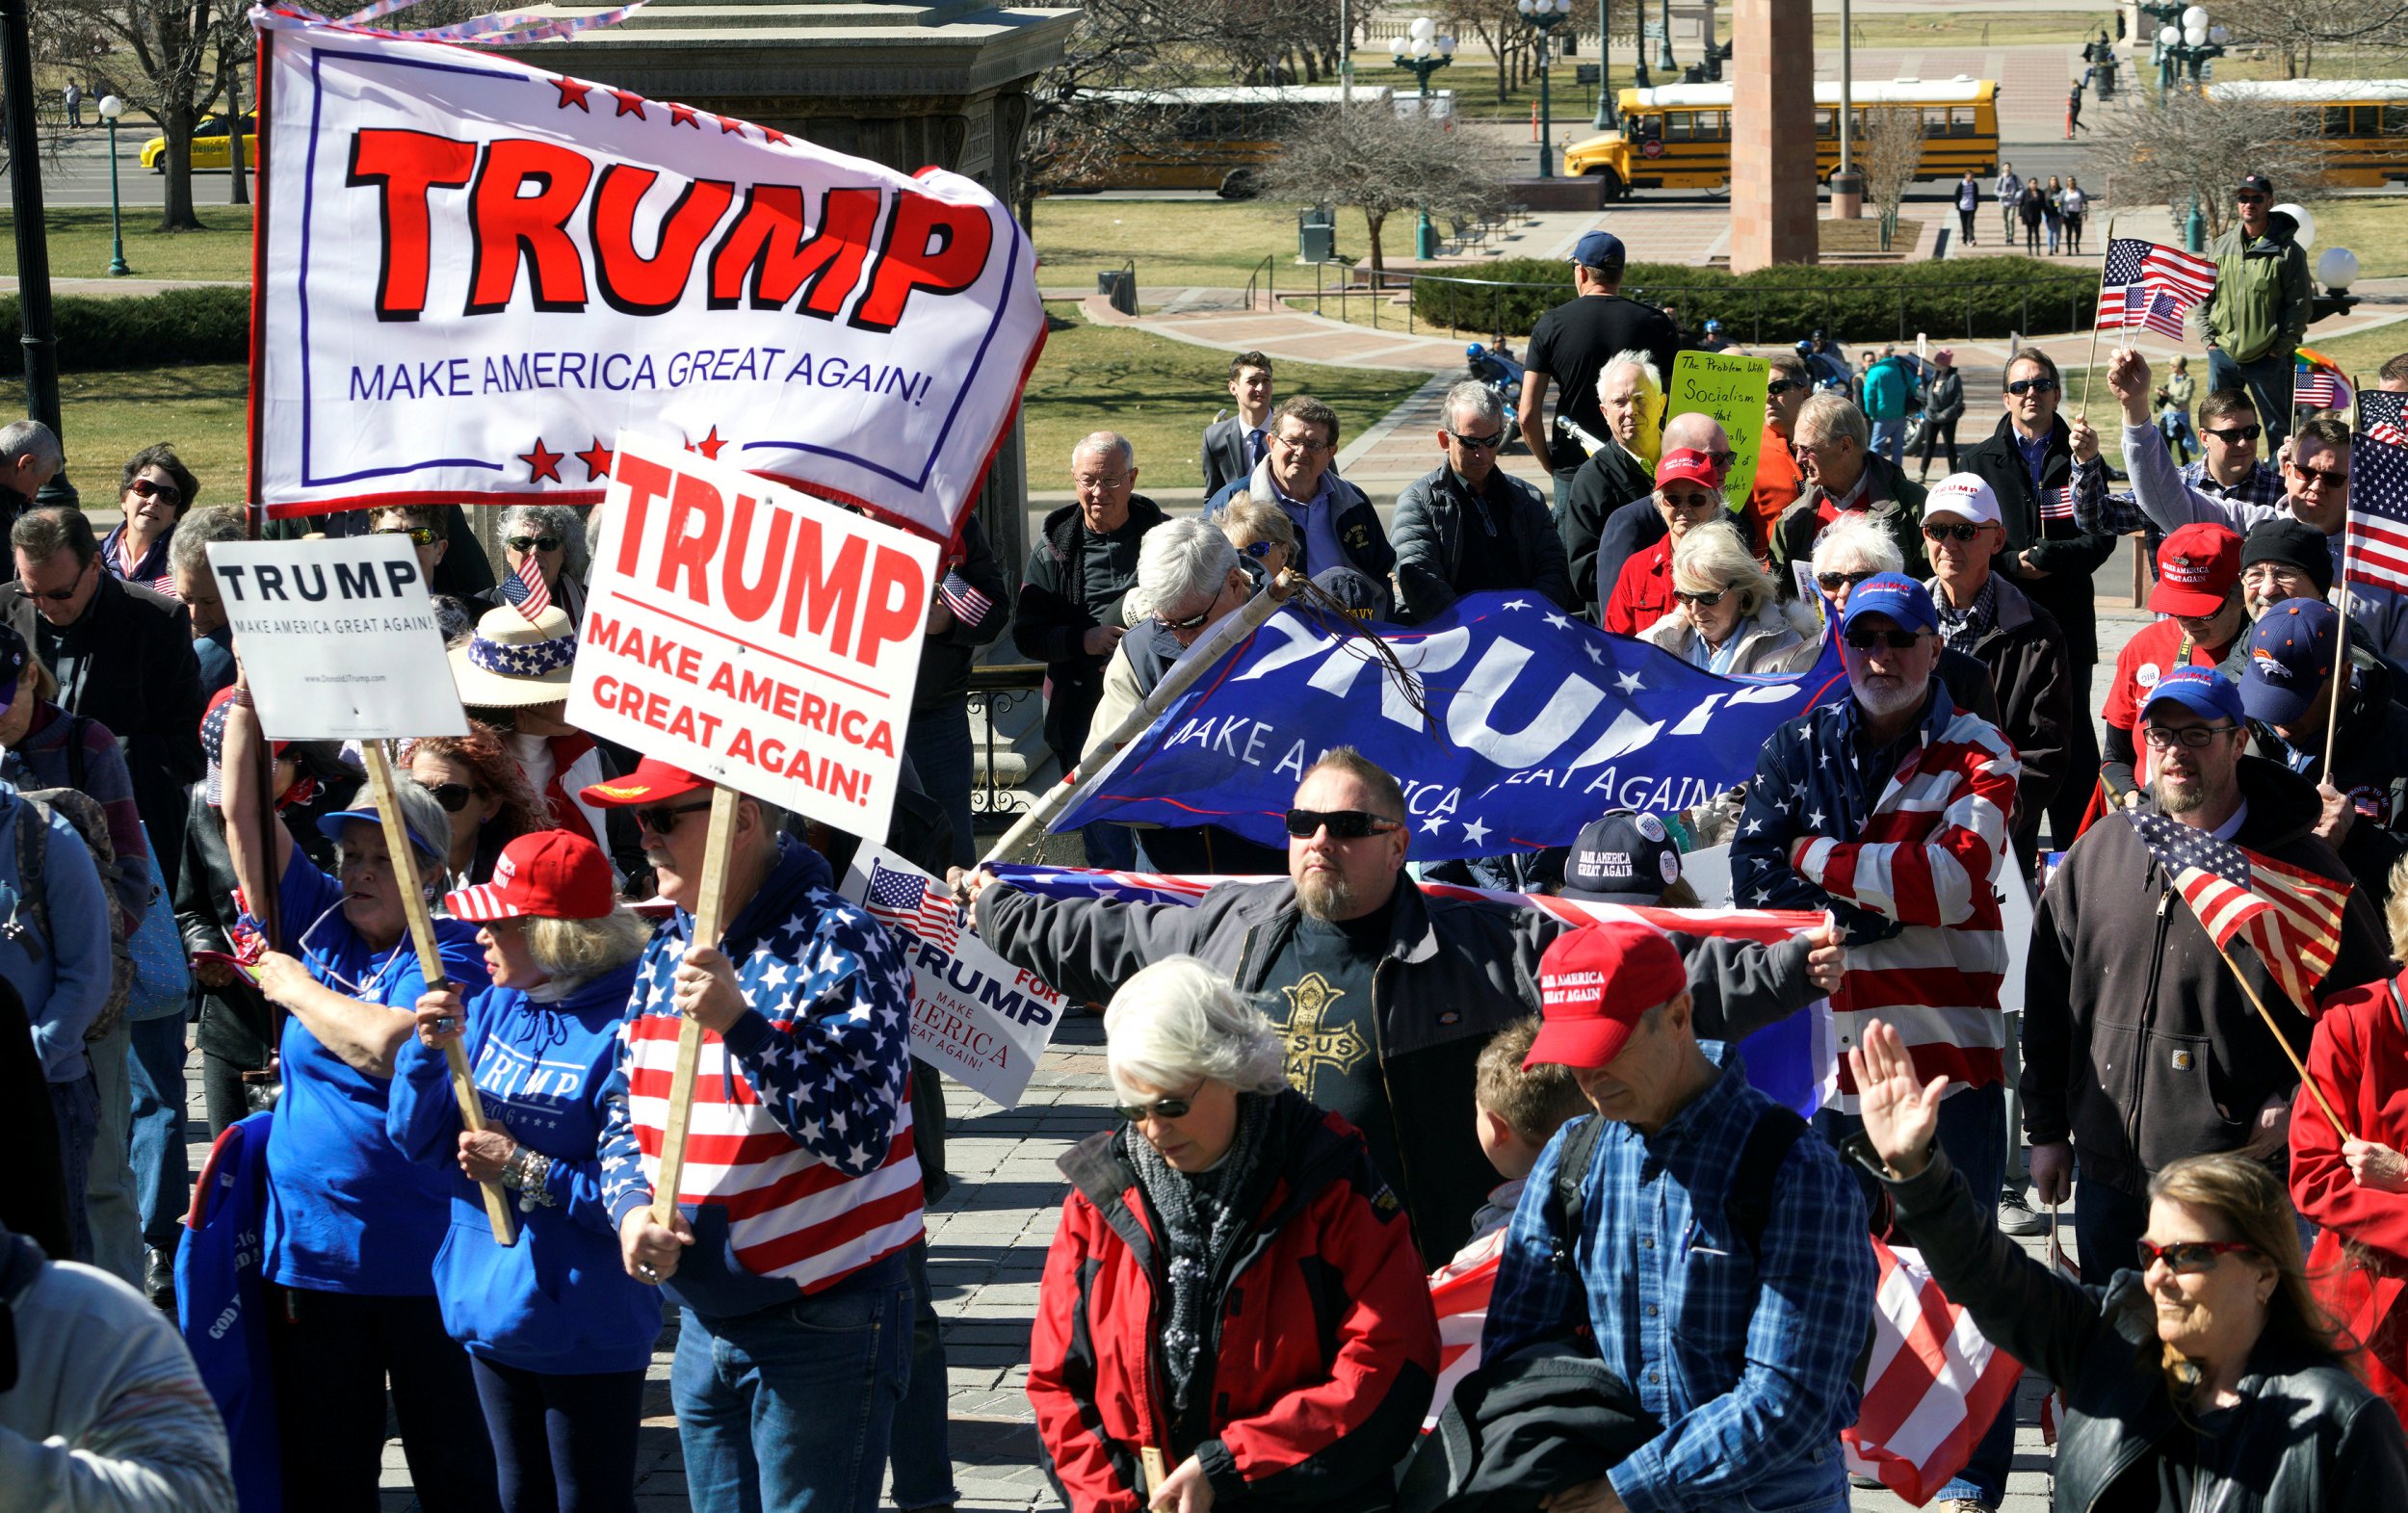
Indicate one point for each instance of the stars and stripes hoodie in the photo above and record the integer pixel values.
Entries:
(800, 1167)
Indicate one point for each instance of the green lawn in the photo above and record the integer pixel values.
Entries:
(78, 238)
(110, 416)
(1160, 393)
(2375, 227)
(1174, 242)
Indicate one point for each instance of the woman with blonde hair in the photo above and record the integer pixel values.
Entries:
(1726, 618)
(1226, 1184)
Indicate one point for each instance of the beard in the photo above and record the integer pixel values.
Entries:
(1889, 699)
(1326, 897)
(2189, 798)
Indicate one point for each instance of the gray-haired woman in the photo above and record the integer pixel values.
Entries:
(555, 537)
(1726, 618)
(1224, 1184)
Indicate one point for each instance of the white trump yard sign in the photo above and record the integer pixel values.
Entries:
(753, 635)
(476, 273)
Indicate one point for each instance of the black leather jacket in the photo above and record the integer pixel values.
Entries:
(2306, 1438)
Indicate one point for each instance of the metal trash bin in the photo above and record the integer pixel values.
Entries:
(1120, 288)
(1315, 234)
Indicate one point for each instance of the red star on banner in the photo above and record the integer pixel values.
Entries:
(710, 445)
(729, 124)
(629, 103)
(598, 461)
(772, 134)
(573, 91)
(544, 464)
(683, 116)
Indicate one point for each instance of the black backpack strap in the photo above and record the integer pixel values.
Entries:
(1748, 1203)
(1570, 1197)
(76, 756)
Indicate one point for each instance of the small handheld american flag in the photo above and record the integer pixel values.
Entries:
(526, 587)
(969, 605)
(2319, 388)
(2291, 917)
(2380, 416)
(2056, 503)
(2144, 284)
(2378, 507)
(906, 901)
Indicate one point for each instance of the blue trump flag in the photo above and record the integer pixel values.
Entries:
(1537, 723)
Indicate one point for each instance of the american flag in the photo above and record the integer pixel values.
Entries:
(526, 587)
(2319, 388)
(2378, 513)
(2185, 280)
(2380, 416)
(969, 605)
(2292, 918)
(1932, 1383)
(906, 900)
(2056, 503)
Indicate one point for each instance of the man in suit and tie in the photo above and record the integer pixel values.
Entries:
(1232, 444)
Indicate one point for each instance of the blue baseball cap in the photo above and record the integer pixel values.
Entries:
(1893, 594)
(2202, 691)
(2291, 652)
(1599, 249)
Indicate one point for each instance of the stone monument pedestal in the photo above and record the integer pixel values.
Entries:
(1773, 134)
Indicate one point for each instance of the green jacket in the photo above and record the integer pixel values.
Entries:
(2261, 294)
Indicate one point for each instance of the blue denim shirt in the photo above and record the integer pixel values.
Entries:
(1746, 1358)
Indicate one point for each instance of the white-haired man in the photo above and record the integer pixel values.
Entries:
(1843, 474)
(1468, 526)
(1614, 474)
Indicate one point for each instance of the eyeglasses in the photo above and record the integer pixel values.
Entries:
(2249, 196)
(1489, 443)
(1722, 460)
(2234, 435)
(1161, 1108)
(1193, 622)
(2324, 477)
(1833, 583)
(661, 818)
(2032, 386)
(1780, 386)
(152, 488)
(2192, 1255)
(453, 796)
(1703, 601)
(2166, 737)
(62, 595)
(1895, 640)
(535, 543)
(1300, 443)
(1690, 504)
(1949, 532)
(419, 534)
(1342, 824)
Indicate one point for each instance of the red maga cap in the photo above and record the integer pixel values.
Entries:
(1593, 983)
(544, 874)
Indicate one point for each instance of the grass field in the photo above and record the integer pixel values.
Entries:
(78, 238)
(110, 416)
(1174, 242)
(1160, 393)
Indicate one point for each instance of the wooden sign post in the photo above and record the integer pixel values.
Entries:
(497, 1208)
(708, 922)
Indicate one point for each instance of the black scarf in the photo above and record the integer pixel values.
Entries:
(1204, 1216)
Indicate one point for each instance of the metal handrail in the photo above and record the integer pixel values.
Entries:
(1265, 276)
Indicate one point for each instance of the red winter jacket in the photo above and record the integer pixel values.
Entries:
(2360, 1059)
(1326, 1345)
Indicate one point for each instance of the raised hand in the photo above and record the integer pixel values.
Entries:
(1902, 1116)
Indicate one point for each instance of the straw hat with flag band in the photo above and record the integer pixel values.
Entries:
(548, 874)
(513, 661)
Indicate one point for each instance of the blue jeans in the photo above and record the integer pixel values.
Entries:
(787, 1410)
(111, 1211)
(938, 744)
(1889, 439)
(562, 1441)
(75, 1106)
(1110, 846)
(163, 1181)
(922, 1451)
(2267, 380)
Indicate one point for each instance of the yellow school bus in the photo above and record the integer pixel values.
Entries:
(1219, 137)
(2361, 125)
(1678, 136)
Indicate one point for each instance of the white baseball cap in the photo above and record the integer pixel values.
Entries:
(1965, 496)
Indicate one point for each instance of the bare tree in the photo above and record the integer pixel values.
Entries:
(1375, 161)
(2184, 148)
(171, 48)
(1893, 138)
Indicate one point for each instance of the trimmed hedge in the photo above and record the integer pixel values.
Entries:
(207, 324)
(1775, 307)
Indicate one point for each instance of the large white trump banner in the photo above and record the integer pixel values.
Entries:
(475, 274)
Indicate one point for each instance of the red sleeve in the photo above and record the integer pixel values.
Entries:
(1620, 618)
(1097, 1475)
(2351, 1027)
(2119, 710)
(1944, 877)
(1380, 1386)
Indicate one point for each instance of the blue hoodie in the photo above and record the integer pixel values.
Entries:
(559, 1301)
(65, 981)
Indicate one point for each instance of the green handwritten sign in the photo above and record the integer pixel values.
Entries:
(1731, 388)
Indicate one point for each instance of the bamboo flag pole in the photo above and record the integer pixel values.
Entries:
(497, 1208)
(1207, 653)
(709, 918)
(2283, 1040)
(2089, 363)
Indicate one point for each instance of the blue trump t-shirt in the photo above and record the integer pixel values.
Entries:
(347, 1211)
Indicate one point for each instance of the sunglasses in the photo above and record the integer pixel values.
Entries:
(1487, 443)
(2032, 386)
(2164, 738)
(535, 543)
(1951, 533)
(1833, 583)
(1261, 551)
(1193, 622)
(1159, 1108)
(661, 818)
(2249, 196)
(2324, 476)
(1895, 640)
(152, 488)
(2234, 435)
(1691, 503)
(1342, 824)
(1703, 601)
(1781, 386)
(419, 534)
(2192, 1255)
(453, 796)
(62, 595)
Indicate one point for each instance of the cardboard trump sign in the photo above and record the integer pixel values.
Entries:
(339, 638)
(976, 1017)
(476, 273)
(753, 635)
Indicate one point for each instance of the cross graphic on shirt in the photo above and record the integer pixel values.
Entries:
(1309, 1045)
